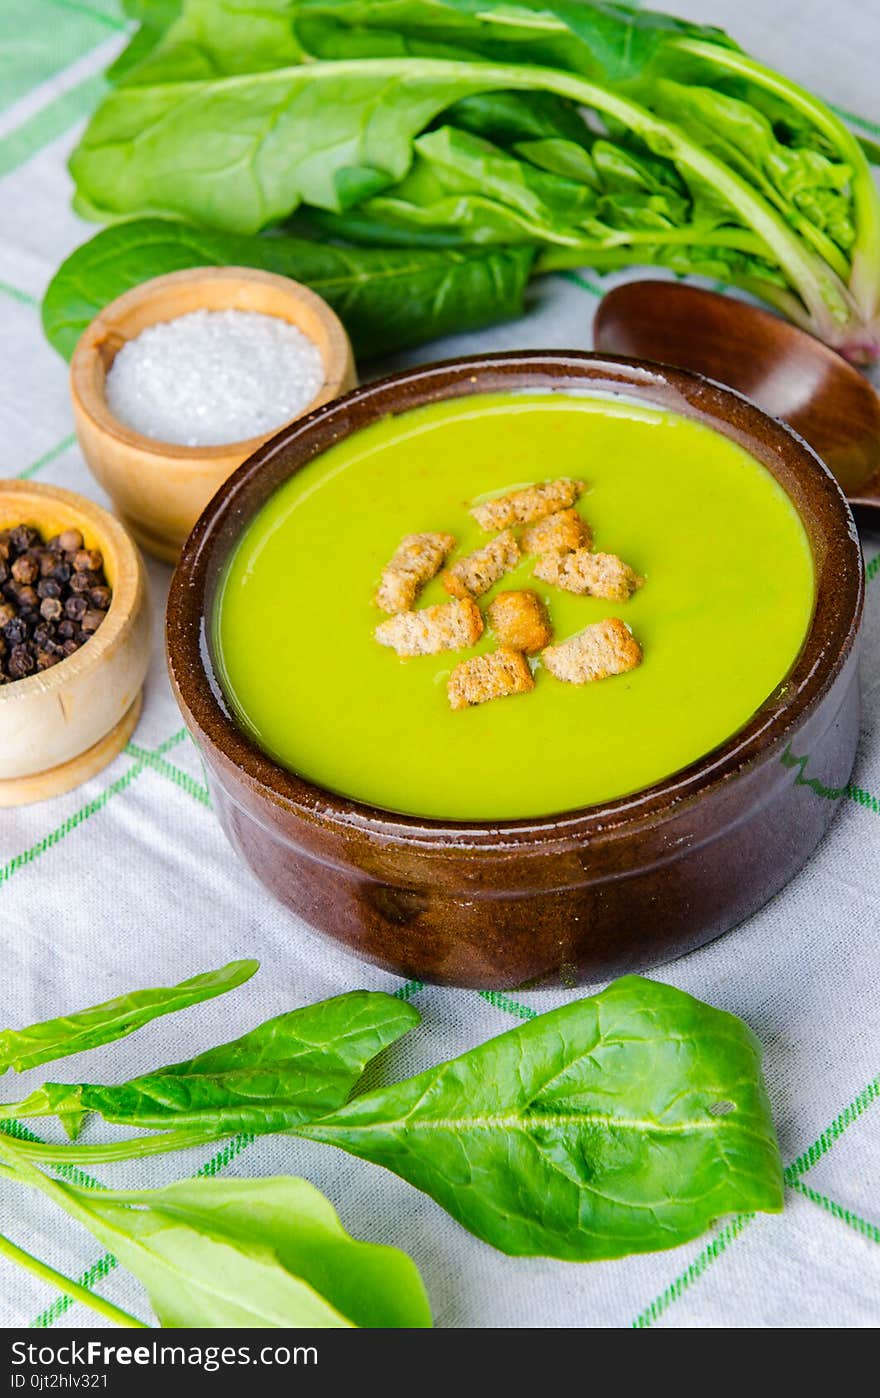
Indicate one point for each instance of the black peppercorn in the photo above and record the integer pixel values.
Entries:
(53, 598)
(26, 569)
(20, 663)
(51, 608)
(23, 537)
(70, 540)
(75, 607)
(92, 620)
(87, 560)
(100, 597)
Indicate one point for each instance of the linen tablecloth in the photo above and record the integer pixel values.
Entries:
(128, 881)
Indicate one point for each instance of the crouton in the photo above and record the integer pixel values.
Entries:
(491, 676)
(520, 621)
(593, 574)
(562, 532)
(449, 626)
(477, 572)
(524, 506)
(607, 648)
(419, 557)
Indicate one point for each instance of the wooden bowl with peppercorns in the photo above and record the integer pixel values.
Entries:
(74, 640)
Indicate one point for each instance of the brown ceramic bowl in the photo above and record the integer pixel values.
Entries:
(589, 893)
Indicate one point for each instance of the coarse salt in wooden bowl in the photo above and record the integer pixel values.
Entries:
(160, 488)
(61, 726)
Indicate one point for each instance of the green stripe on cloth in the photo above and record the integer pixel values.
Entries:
(106, 13)
(863, 798)
(860, 1225)
(407, 991)
(17, 295)
(167, 769)
(829, 793)
(718, 1245)
(860, 122)
(510, 1007)
(821, 1146)
(91, 808)
(40, 39)
(577, 279)
(791, 1174)
(49, 122)
(50, 455)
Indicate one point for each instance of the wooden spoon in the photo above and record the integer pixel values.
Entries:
(784, 370)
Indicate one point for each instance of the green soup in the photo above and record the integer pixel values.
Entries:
(724, 610)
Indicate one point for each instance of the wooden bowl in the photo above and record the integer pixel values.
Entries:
(788, 373)
(585, 894)
(60, 727)
(160, 488)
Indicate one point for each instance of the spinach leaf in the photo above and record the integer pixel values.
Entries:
(507, 117)
(605, 41)
(807, 185)
(286, 137)
(154, 17)
(372, 1286)
(21, 1049)
(243, 1253)
(287, 1070)
(626, 1122)
(388, 300)
(216, 38)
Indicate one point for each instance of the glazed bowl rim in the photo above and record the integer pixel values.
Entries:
(836, 617)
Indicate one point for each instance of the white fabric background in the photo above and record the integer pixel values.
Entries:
(136, 886)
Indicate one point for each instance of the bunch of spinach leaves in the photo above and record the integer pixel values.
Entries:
(590, 133)
(621, 1123)
(210, 1252)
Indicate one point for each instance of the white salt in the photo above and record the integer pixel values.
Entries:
(212, 377)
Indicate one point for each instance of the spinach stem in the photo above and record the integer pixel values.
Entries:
(69, 1287)
(132, 1149)
(864, 280)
